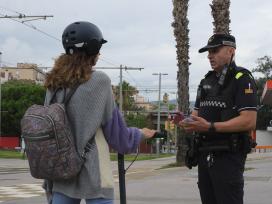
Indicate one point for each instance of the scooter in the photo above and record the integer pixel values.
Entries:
(122, 171)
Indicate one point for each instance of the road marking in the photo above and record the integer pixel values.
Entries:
(20, 191)
(9, 170)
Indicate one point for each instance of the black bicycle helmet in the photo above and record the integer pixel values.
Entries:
(82, 36)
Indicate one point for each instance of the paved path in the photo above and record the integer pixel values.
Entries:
(145, 183)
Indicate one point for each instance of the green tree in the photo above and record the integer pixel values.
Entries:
(17, 96)
(264, 67)
(128, 92)
(137, 120)
(172, 107)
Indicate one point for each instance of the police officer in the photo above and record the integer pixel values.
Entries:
(224, 113)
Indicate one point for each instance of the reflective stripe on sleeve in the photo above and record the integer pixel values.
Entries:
(238, 75)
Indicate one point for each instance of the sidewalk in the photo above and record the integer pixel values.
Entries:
(146, 184)
(153, 164)
(257, 155)
(179, 185)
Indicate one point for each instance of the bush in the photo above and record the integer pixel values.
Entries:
(17, 96)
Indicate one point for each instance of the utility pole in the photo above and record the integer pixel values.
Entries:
(30, 18)
(159, 113)
(121, 164)
(0, 94)
(121, 68)
(121, 90)
(168, 131)
(176, 109)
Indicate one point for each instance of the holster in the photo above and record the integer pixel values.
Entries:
(248, 144)
(191, 157)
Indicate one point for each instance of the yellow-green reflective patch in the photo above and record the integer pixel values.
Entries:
(238, 75)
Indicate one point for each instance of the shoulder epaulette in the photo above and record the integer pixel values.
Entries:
(240, 71)
(238, 75)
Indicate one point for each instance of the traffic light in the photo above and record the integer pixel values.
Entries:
(165, 98)
(169, 125)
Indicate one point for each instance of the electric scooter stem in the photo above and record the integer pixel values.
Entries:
(122, 179)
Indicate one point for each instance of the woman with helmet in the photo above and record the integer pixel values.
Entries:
(92, 113)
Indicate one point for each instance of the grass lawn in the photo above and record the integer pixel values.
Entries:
(131, 157)
(12, 154)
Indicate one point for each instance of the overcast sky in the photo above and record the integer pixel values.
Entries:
(139, 34)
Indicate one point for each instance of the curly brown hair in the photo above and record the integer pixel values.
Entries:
(70, 70)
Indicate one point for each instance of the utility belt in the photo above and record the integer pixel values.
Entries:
(231, 143)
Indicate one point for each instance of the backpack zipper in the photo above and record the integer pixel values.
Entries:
(59, 105)
(50, 120)
(35, 116)
(35, 137)
(55, 131)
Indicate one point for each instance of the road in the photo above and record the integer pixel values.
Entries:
(146, 183)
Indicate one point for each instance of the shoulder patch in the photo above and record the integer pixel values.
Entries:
(241, 70)
(238, 75)
(249, 90)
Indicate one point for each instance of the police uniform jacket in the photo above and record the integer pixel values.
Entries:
(222, 96)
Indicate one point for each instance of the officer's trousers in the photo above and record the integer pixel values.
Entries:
(220, 180)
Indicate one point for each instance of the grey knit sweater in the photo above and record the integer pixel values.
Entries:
(92, 111)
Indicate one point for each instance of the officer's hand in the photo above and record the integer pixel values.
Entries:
(148, 133)
(197, 124)
(186, 124)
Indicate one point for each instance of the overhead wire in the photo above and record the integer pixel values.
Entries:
(32, 27)
(132, 78)
(104, 59)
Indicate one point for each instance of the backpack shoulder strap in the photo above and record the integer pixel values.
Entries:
(70, 94)
(66, 98)
(54, 95)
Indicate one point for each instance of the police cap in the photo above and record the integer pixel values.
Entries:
(218, 40)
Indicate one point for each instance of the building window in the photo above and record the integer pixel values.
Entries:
(3, 74)
(10, 76)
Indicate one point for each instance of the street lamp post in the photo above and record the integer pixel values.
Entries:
(159, 112)
(176, 109)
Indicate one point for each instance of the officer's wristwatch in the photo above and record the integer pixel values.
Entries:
(212, 128)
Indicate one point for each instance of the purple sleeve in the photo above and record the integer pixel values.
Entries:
(120, 137)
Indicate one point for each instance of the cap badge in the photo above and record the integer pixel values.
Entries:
(211, 39)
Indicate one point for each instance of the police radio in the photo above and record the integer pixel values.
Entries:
(224, 73)
(223, 76)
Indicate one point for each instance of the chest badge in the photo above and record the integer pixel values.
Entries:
(249, 90)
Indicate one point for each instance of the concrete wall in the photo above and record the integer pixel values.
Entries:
(264, 138)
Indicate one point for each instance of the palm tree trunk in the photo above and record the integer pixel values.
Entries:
(221, 16)
(181, 33)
